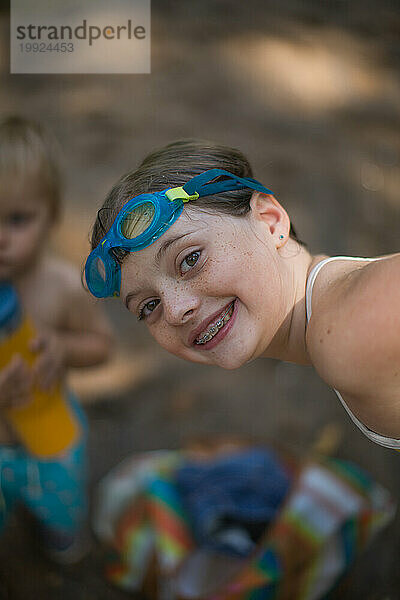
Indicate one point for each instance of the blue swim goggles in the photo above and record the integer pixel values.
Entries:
(145, 218)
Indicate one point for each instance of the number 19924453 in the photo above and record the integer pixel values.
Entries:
(46, 47)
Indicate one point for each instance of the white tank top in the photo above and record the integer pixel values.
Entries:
(375, 437)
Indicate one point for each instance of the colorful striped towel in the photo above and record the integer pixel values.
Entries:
(330, 514)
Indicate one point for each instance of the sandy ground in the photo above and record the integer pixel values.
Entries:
(311, 92)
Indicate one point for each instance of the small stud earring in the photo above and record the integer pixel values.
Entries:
(281, 237)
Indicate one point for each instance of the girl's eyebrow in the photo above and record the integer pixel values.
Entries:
(165, 245)
(129, 298)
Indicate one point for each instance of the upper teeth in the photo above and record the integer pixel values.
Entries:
(215, 327)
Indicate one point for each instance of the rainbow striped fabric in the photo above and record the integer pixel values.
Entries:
(331, 513)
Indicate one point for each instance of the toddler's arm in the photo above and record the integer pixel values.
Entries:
(82, 336)
(15, 383)
(354, 342)
(86, 334)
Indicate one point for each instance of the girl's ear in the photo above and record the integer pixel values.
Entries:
(266, 208)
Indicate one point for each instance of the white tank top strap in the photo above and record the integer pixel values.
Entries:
(375, 437)
(314, 272)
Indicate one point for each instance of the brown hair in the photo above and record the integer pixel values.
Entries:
(172, 166)
(29, 152)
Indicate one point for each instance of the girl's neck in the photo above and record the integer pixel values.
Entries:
(289, 344)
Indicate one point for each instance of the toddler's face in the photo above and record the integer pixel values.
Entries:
(24, 223)
(211, 289)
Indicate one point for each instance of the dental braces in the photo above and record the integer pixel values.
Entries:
(216, 327)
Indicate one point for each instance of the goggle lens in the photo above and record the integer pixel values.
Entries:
(138, 220)
(97, 275)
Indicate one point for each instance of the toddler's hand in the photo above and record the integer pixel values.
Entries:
(15, 383)
(50, 365)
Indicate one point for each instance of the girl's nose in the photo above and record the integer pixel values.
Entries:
(179, 308)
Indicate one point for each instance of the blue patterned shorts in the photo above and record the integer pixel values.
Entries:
(53, 491)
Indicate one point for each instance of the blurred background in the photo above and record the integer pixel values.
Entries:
(310, 92)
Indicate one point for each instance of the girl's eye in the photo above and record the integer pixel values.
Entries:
(148, 308)
(189, 261)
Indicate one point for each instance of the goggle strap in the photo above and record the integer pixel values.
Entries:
(201, 185)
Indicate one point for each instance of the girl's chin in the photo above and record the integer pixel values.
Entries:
(225, 361)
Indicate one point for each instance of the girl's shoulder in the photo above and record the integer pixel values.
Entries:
(347, 279)
(353, 334)
(329, 277)
(346, 295)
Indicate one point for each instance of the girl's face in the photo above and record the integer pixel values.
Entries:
(212, 288)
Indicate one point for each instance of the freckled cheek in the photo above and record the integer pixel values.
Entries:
(165, 337)
(240, 274)
(219, 276)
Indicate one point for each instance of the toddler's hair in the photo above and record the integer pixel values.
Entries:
(29, 153)
(172, 166)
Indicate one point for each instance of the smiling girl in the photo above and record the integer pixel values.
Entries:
(208, 259)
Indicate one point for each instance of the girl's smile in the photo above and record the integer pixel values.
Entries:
(215, 329)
